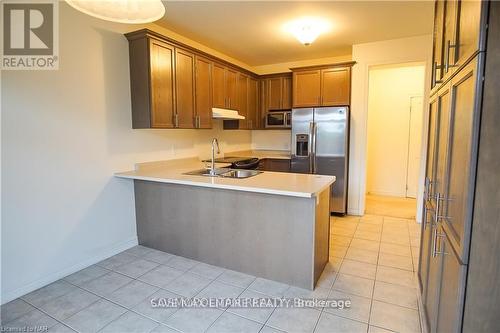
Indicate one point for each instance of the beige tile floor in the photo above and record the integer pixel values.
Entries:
(391, 206)
(372, 263)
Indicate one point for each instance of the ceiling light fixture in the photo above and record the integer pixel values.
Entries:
(122, 11)
(306, 30)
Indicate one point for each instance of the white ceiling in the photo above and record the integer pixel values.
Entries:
(252, 31)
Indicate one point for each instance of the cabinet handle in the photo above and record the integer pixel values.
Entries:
(438, 215)
(435, 67)
(437, 244)
(176, 120)
(229, 104)
(447, 58)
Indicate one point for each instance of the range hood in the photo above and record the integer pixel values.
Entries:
(218, 113)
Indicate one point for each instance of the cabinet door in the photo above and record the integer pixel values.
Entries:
(335, 86)
(162, 84)
(468, 30)
(232, 89)
(430, 170)
(184, 87)
(439, 186)
(437, 46)
(253, 103)
(431, 297)
(286, 94)
(219, 86)
(464, 121)
(274, 93)
(203, 92)
(306, 88)
(451, 298)
(425, 242)
(243, 100)
(449, 35)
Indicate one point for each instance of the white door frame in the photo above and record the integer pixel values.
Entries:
(364, 140)
(409, 140)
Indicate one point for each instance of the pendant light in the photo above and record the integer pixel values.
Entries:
(122, 11)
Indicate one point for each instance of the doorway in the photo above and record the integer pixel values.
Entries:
(395, 113)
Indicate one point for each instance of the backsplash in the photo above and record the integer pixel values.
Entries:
(271, 140)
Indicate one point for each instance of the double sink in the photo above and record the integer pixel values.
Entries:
(225, 173)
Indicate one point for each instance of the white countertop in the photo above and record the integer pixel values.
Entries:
(279, 183)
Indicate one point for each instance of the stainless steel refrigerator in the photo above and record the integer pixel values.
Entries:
(320, 145)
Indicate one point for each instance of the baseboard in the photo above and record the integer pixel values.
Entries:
(421, 312)
(108, 252)
(353, 211)
(388, 194)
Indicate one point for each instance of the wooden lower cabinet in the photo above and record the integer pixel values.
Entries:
(433, 280)
(274, 164)
(451, 294)
(464, 126)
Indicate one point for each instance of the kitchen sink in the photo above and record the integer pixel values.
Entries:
(240, 173)
(226, 173)
(206, 172)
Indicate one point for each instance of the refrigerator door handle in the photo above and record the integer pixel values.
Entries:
(311, 147)
(315, 132)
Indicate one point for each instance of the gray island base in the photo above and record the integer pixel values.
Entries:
(277, 237)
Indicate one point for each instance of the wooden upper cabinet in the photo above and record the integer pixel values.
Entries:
(469, 30)
(335, 86)
(243, 100)
(449, 35)
(279, 93)
(306, 88)
(225, 87)
(162, 85)
(232, 89)
(253, 104)
(219, 86)
(437, 44)
(203, 92)
(325, 86)
(185, 88)
(274, 93)
(286, 94)
(459, 32)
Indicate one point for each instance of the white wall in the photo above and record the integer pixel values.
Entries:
(389, 126)
(397, 51)
(271, 139)
(64, 134)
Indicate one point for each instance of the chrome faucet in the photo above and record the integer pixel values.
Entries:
(215, 143)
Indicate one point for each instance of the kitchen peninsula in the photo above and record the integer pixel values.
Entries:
(274, 225)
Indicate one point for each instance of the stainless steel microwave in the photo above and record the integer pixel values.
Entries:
(279, 119)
